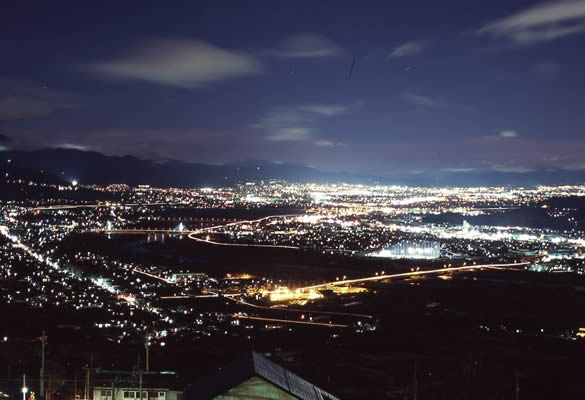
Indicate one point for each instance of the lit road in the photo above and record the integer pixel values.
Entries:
(291, 321)
(233, 297)
(141, 230)
(412, 273)
(152, 276)
(98, 205)
(211, 228)
(273, 246)
(199, 296)
(302, 311)
(192, 234)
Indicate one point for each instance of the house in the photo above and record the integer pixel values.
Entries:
(126, 385)
(254, 377)
(133, 393)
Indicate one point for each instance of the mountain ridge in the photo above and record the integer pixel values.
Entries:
(91, 167)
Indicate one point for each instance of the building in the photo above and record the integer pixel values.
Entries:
(128, 385)
(254, 377)
(132, 392)
(421, 250)
(188, 278)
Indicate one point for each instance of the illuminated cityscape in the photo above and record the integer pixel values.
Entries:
(134, 261)
(205, 200)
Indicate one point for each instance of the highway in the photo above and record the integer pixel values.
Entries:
(211, 228)
(97, 205)
(192, 234)
(199, 296)
(152, 276)
(290, 321)
(412, 273)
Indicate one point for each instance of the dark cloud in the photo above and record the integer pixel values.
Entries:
(295, 123)
(306, 45)
(23, 100)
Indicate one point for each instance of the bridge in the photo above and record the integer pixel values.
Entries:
(191, 234)
(98, 205)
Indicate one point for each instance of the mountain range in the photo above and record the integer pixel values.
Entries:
(89, 167)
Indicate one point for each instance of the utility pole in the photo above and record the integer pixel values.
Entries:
(517, 388)
(86, 389)
(42, 383)
(147, 354)
(140, 382)
(75, 388)
(88, 370)
(24, 388)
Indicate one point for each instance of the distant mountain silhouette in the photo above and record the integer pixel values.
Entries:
(14, 186)
(95, 168)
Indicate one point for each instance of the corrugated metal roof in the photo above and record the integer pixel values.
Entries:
(250, 365)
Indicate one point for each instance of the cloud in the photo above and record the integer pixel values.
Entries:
(294, 123)
(282, 116)
(574, 167)
(324, 143)
(181, 63)
(458, 170)
(540, 23)
(306, 45)
(24, 100)
(511, 169)
(327, 143)
(327, 110)
(292, 134)
(508, 133)
(72, 146)
(17, 108)
(423, 101)
(544, 35)
(407, 49)
(4, 139)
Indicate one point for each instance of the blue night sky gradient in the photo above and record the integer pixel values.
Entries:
(447, 87)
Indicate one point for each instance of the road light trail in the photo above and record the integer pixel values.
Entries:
(303, 311)
(291, 321)
(211, 228)
(272, 246)
(152, 275)
(411, 273)
(199, 296)
(191, 234)
(98, 205)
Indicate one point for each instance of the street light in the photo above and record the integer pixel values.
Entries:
(24, 388)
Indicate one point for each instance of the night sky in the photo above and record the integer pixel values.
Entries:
(449, 86)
